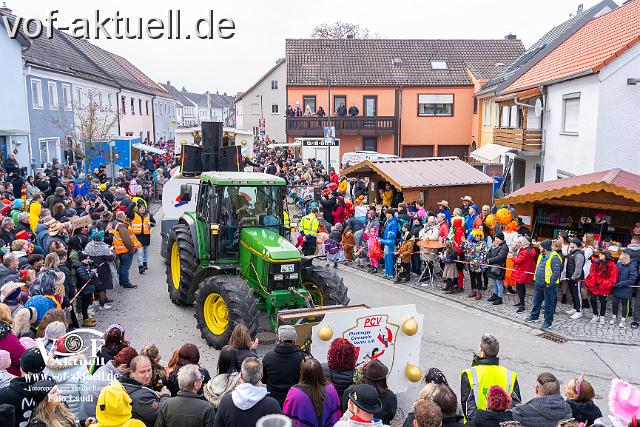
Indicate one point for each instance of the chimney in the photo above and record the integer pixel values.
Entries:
(580, 9)
(510, 37)
(168, 83)
(5, 8)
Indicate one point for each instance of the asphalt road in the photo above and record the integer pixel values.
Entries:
(452, 333)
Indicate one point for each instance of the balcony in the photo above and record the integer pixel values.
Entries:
(361, 126)
(520, 139)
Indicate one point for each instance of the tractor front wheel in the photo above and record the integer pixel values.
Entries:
(222, 302)
(181, 265)
(325, 286)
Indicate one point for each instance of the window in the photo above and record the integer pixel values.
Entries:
(571, 113)
(439, 65)
(79, 102)
(49, 149)
(146, 105)
(66, 97)
(310, 101)
(274, 84)
(514, 117)
(53, 95)
(124, 105)
(133, 106)
(100, 99)
(339, 100)
(370, 143)
(486, 113)
(505, 120)
(435, 105)
(110, 100)
(36, 93)
(255, 109)
(140, 107)
(274, 109)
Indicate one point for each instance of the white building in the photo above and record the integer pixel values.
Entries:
(185, 108)
(266, 97)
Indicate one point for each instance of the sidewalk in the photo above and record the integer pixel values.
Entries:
(574, 330)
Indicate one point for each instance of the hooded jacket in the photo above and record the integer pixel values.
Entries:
(281, 370)
(70, 374)
(244, 406)
(627, 277)
(598, 281)
(341, 380)
(543, 411)
(101, 378)
(144, 401)
(115, 408)
(19, 395)
(10, 343)
(489, 418)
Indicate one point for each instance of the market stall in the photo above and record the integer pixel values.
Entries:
(429, 179)
(605, 203)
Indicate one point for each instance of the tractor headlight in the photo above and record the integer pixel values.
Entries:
(293, 276)
(278, 277)
(287, 268)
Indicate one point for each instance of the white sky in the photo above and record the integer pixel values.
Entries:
(262, 26)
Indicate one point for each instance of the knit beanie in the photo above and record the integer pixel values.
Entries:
(5, 360)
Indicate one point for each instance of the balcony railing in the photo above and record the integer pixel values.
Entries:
(366, 126)
(521, 139)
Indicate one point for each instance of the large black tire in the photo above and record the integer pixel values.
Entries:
(326, 281)
(239, 306)
(179, 293)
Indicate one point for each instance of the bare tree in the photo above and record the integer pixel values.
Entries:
(340, 30)
(92, 124)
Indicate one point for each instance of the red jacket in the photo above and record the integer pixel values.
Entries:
(600, 280)
(333, 178)
(338, 215)
(348, 210)
(524, 264)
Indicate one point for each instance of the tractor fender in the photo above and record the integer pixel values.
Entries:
(212, 270)
(190, 222)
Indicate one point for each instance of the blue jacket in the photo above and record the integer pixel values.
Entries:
(81, 190)
(468, 223)
(556, 269)
(447, 214)
(627, 275)
(390, 233)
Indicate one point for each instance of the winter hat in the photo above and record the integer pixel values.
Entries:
(435, 376)
(40, 389)
(575, 241)
(500, 236)
(114, 406)
(31, 361)
(474, 207)
(477, 232)
(498, 399)
(5, 360)
(546, 244)
(54, 330)
(523, 241)
(624, 400)
(375, 370)
(7, 415)
(70, 212)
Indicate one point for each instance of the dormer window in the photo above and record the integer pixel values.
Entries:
(439, 65)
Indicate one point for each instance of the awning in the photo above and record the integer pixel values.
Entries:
(149, 148)
(490, 153)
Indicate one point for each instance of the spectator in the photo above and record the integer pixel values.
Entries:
(125, 245)
(241, 340)
(580, 395)
(249, 402)
(498, 403)
(188, 408)
(353, 110)
(476, 254)
(51, 409)
(497, 259)
(341, 364)
(547, 408)
(102, 258)
(145, 402)
(159, 375)
(114, 408)
(7, 232)
(5, 363)
(375, 374)
(113, 370)
(141, 225)
(524, 264)
(187, 355)
(486, 370)
(442, 395)
(634, 252)
(602, 277)
(11, 165)
(313, 401)
(363, 402)
(9, 341)
(427, 414)
(624, 405)
(627, 277)
(547, 277)
(114, 342)
(19, 393)
(227, 379)
(342, 110)
(281, 366)
(9, 269)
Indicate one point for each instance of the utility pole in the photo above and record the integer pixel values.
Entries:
(329, 120)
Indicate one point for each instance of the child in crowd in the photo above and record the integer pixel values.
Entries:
(405, 249)
(348, 244)
(601, 278)
(476, 254)
(627, 275)
(362, 254)
(374, 250)
(450, 271)
(332, 245)
(580, 395)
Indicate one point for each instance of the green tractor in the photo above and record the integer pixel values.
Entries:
(231, 260)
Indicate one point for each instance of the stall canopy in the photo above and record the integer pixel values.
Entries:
(490, 153)
(149, 148)
(427, 178)
(613, 189)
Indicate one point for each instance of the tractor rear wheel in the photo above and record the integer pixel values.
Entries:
(222, 302)
(325, 286)
(181, 265)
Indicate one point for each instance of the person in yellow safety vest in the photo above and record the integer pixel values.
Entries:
(546, 279)
(125, 244)
(309, 230)
(485, 372)
(285, 217)
(141, 225)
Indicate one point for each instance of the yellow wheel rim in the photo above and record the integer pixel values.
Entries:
(175, 265)
(215, 314)
(316, 293)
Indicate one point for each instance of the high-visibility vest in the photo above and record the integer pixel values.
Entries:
(548, 272)
(140, 224)
(309, 225)
(482, 377)
(285, 215)
(118, 243)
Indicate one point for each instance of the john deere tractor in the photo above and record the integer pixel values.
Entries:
(229, 258)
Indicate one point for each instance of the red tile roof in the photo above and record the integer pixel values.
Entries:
(593, 46)
(616, 180)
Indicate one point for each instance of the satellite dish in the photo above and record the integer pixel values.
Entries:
(538, 107)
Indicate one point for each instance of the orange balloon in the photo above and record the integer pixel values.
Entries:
(504, 216)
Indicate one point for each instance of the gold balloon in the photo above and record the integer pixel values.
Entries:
(413, 373)
(325, 333)
(410, 326)
(490, 221)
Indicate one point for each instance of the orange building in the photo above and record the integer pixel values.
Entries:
(414, 98)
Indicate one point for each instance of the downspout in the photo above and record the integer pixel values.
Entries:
(30, 149)
(153, 119)
(543, 128)
(398, 144)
